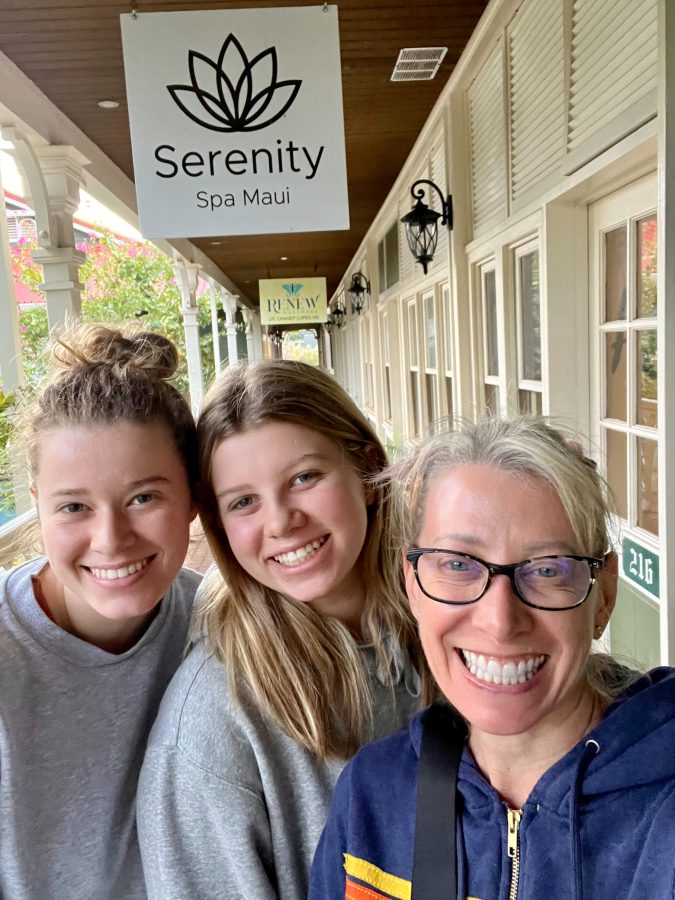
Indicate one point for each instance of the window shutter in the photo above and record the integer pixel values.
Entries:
(536, 74)
(613, 62)
(437, 160)
(488, 141)
(406, 261)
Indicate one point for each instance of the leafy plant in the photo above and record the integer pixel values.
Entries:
(123, 281)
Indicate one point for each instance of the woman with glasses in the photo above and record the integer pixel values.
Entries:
(566, 775)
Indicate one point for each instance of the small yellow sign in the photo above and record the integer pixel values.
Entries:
(292, 301)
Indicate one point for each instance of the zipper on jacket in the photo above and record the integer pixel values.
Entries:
(513, 817)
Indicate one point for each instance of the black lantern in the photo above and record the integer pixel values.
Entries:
(421, 223)
(359, 287)
(338, 315)
(276, 336)
(329, 324)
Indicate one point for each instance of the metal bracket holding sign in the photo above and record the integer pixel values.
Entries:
(640, 566)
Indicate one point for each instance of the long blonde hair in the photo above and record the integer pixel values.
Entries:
(304, 669)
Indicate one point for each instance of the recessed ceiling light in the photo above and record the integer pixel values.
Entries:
(108, 104)
(215, 243)
(284, 258)
(247, 281)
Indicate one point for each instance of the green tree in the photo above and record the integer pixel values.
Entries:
(123, 281)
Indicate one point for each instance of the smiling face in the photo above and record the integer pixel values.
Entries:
(505, 518)
(115, 508)
(294, 512)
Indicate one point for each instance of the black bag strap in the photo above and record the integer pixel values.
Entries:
(434, 875)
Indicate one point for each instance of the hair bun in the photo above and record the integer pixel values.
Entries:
(101, 345)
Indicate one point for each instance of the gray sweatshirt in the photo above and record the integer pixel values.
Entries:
(229, 806)
(74, 722)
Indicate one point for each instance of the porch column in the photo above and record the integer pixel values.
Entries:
(186, 278)
(11, 363)
(53, 177)
(250, 342)
(213, 294)
(230, 307)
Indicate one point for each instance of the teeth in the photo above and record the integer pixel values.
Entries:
(494, 672)
(114, 574)
(293, 557)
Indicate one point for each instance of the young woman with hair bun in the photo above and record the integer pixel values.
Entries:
(309, 647)
(91, 632)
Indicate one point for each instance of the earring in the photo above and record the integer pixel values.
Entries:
(598, 631)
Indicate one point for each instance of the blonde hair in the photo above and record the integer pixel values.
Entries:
(101, 375)
(304, 669)
(528, 446)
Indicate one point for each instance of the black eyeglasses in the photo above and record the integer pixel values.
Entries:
(544, 582)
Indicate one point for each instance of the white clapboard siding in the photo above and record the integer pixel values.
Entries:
(537, 93)
(613, 62)
(438, 176)
(487, 130)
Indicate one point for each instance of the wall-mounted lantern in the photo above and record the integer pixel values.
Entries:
(358, 289)
(421, 223)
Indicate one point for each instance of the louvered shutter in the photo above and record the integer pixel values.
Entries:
(488, 142)
(613, 62)
(437, 165)
(536, 74)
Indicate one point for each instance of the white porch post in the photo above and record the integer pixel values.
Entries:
(186, 277)
(53, 176)
(257, 336)
(230, 306)
(11, 364)
(248, 319)
(213, 294)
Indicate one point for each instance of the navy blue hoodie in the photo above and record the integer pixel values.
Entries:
(598, 825)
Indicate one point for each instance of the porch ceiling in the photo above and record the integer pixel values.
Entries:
(72, 50)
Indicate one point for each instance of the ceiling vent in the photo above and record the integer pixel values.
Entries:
(418, 63)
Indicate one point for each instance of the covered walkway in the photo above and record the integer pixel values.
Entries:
(554, 292)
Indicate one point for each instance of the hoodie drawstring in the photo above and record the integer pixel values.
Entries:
(591, 749)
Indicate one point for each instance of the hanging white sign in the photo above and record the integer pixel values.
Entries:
(236, 121)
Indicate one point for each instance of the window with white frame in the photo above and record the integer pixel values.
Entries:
(367, 363)
(387, 258)
(528, 318)
(628, 333)
(384, 331)
(430, 355)
(414, 385)
(446, 318)
(487, 278)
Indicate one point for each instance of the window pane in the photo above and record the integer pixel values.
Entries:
(448, 397)
(646, 413)
(412, 334)
(530, 316)
(646, 267)
(529, 402)
(490, 318)
(432, 405)
(414, 399)
(615, 375)
(647, 485)
(430, 331)
(615, 274)
(492, 398)
(617, 470)
(448, 334)
(391, 254)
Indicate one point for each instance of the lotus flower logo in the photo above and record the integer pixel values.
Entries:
(292, 289)
(234, 94)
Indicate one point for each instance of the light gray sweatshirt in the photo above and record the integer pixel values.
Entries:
(74, 722)
(229, 806)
